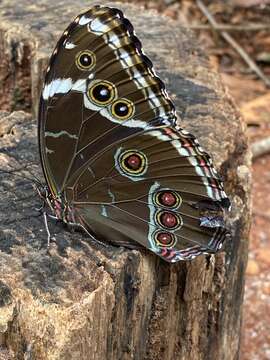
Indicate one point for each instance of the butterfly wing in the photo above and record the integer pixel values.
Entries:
(110, 145)
(97, 53)
(159, 189)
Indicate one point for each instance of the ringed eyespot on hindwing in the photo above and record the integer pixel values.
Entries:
(101, 92)
(164, 239)
(131, 162)
(168, 220)
(167, 198)
(85, 60)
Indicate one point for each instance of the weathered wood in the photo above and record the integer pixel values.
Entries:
(83, 301)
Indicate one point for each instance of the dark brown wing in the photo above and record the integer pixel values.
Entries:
(110, 149)
(73, 125)
(159, 189)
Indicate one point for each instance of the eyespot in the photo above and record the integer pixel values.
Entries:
(85, 60)
(168, 220)
(133, 162)
(167, 198)
(102, 92)
(122, 109)
(165, 239)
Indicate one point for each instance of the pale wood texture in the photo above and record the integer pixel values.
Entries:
(83, 301)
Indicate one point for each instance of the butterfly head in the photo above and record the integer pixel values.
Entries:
(55, 205)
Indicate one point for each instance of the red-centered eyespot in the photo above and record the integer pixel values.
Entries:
(133, 162)
(165, 238)
(167, 198)
(168, 220)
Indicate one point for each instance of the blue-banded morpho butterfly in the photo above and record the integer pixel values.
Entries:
(114, 158)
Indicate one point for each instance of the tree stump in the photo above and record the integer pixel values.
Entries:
(84, 301)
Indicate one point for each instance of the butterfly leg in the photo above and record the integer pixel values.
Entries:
(49, 237)
(55, 218)
(40, 209)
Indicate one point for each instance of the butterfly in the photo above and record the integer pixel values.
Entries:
(114, 157)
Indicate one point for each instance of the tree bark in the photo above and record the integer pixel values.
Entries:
(84, 301)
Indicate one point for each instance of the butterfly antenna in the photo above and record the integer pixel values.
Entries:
(34, 180)
(30, 172)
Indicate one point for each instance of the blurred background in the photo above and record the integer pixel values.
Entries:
(236, 36)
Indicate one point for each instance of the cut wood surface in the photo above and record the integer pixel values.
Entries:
(85, 301)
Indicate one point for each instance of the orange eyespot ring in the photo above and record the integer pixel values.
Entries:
(168, 220)
(165, 239)
(102, 93)
(133, 162)
(122, 109)
(85, 60)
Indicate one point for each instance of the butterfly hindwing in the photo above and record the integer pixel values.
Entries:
(128, 182)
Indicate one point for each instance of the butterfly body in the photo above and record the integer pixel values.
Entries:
(114, 158)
